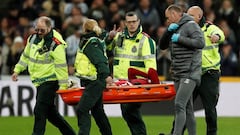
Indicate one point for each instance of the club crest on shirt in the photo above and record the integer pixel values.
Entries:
(187, 81)
(134, 49)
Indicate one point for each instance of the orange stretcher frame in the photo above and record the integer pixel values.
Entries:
(124, 94)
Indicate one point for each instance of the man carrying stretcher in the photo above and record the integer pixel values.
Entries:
(132, 48)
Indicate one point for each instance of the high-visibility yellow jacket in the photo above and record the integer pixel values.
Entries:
(84, 67)
(210, 53)
(45, 59)
(91, 61)
(138, 52)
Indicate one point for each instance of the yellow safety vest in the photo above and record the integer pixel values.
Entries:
(210, 53)
(84, 68)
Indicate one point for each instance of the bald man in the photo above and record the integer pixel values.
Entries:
(209, 88)
(185, 40)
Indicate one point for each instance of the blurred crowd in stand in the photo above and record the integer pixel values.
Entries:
(17, 19)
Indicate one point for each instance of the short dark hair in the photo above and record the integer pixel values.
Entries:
(131, 13)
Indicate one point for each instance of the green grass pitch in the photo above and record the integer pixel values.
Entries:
(155, 124)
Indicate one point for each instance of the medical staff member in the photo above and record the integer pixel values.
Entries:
(44, 56)
(132, 48)
(92, 68)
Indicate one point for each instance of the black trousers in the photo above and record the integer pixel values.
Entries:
(132, 115)
(91, 100)
(45, 109)
(209, 94)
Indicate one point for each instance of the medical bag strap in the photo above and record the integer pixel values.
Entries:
(81, 49)
(119, 41)
(51, 48)
(84, 46)
(141, 42)
(32, 39)
(207, 25)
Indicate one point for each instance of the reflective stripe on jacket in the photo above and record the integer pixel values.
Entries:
(138, 52)
(210, 53)
(45, 64)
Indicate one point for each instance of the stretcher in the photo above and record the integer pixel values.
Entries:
(124, 94)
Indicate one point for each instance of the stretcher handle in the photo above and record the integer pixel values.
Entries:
(138, 86)
(145, 86)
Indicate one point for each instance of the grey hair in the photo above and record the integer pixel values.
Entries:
(48, 21)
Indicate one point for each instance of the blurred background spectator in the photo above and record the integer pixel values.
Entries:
(23, 26)
(5, 29)
(55, 10)
(163, 56)
(6, 47)
(73, 21)
(98, 10)
(149, 16)
(75, 3)
(114, 15)
(18, 16)
(229, 33)
(229, 60)
(14, 53)
(29, 8)
(71, 50)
